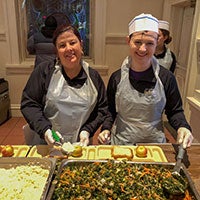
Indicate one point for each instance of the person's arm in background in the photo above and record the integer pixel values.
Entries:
(33, 98)
(31, 45)
(104, 136)
(173, 65)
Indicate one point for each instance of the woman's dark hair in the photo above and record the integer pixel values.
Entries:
(166, 33)
(63, 28)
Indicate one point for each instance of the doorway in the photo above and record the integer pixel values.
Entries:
(182, 17)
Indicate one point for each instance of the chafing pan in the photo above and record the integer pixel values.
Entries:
(45, 163)
(170, 166)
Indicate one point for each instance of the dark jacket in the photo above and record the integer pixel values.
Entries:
(42, 47)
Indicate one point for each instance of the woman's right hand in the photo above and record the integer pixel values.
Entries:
(48, 136)
(104, 137)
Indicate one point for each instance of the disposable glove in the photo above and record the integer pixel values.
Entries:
(185, 137)
(49, 137)
(84, 138)
(104, 137)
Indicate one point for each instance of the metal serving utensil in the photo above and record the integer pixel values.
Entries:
(179, 158)
(168, 186)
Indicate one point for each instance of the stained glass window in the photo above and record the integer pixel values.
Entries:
(76, 12)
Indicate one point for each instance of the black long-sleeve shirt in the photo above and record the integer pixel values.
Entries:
(34, 97)
(146, 80)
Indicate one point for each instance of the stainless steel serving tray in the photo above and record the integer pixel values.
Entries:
(45, 163)
(169, 166)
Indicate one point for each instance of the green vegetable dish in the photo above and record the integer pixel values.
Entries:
(120, 181)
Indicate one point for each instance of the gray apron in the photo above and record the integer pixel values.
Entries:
(139, 117)
(66, 107)
(166, 62)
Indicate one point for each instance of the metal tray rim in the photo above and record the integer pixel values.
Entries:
(183, 168)
(17, 161)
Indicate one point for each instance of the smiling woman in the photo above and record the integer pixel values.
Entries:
(140, 91)
(73, 100)
(69, 49)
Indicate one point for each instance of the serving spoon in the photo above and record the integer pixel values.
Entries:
(179, 158)
(176, 174)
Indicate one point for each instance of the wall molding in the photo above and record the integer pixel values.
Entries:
(17, 69)
(15, 110)
(3, 36)
(182, 3)
(115, 39)
(103, 70)
(194, 102)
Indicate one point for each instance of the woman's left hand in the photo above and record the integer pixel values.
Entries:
(185, 137)
(104, 137)
(84, 138)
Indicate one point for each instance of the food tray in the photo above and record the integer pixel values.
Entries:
(102, 152)
(170, 166)
(20, 150)
(45, 150)
(39, 151)
(45, 163)
(155, 153)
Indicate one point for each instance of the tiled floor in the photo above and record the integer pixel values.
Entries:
(11, 132)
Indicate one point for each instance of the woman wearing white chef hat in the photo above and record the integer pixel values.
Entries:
(165, 56)
(140, 91)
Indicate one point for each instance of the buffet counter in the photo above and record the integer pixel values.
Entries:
(157, 153)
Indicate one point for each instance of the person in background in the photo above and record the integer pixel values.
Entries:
(165, 56)
(40, 43)
(140, 91)
(68, 97)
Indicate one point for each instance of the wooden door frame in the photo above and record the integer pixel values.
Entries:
(174, 9)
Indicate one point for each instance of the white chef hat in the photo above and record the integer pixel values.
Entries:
(163, 25)
(143, 22)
